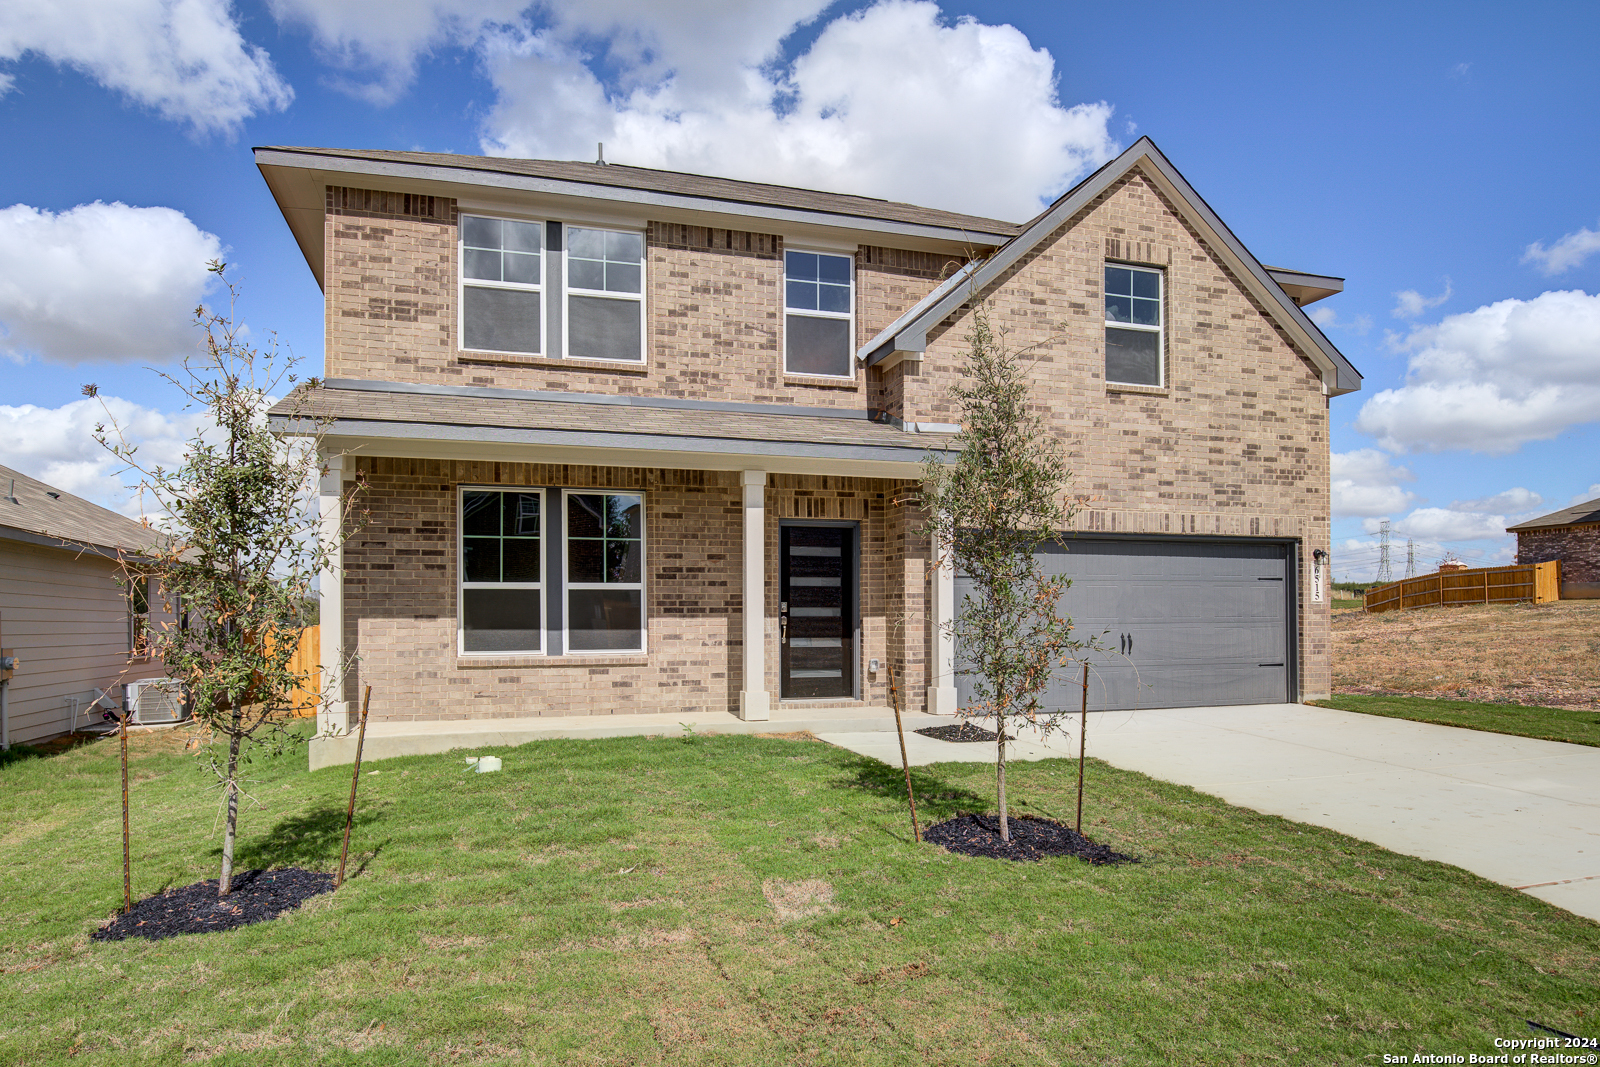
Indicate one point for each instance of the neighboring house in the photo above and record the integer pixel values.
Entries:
(601, 409)
(1571, 535)
(75, 628)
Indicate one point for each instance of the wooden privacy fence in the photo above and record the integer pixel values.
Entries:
(1538, 582)
(307, 663)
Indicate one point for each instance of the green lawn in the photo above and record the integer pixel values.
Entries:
(1547, 724)
(606, 902)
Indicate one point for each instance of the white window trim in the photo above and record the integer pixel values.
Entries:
(461, 572)
(568, 292)
(783, 324)
(462, 282)
(568, 586)
(1160, 330)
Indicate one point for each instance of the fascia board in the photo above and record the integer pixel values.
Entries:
(897, 338)
(432, 176)
(28, 537)
(693, 453)
(939, 304)
(301, 200)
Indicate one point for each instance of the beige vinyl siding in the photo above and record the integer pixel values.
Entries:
(67, 619)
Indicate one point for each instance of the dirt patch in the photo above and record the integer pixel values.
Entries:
(1545, 655)
(798, 900)
(196, 909)
(1032, 838)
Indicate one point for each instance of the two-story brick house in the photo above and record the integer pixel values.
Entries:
(601, 409)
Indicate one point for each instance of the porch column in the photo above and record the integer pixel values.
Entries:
(941, 674)
(333, 715)
(754, 700)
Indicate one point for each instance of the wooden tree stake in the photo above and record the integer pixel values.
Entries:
(355, 778)
(1083, 732)
(905, 763)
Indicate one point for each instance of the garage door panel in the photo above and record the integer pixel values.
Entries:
(1208, 622)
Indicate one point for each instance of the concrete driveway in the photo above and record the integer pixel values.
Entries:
(1520, 812)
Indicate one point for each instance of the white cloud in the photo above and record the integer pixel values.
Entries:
(1448, 524)
(891, 101)
(100, 282)
(184, 58)
(1365, 483)
(1517, 499)
(57, 445)
(1571, 251)
(380, 43)
(1328, 319)
(1494, 379)
(1409, 303)
(1591, 493)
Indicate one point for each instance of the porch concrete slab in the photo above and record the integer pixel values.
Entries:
(386, 740)
(1517, 811)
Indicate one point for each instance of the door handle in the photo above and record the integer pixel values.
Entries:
(783, 629)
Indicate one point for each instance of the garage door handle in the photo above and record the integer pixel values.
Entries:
(1269, 664)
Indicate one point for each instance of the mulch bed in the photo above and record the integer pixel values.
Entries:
(1032, 838)
(196, 909)
(962, 732)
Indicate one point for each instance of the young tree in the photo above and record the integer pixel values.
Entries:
(999, 500)
(239, 553)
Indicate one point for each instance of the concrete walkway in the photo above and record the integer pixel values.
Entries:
(428, 737)
(1520, 812)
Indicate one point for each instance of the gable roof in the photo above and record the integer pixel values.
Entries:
(909, 333)
(41, 514)
(1585, 512)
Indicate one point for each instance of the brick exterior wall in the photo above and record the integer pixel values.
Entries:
(713, 306)
(1235, 444)
(401, 591)
(1577, 547)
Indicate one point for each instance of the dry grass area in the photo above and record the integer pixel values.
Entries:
(1546, 655)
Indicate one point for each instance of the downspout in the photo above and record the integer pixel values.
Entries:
(5, 716)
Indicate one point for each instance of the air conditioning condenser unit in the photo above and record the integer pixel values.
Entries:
(152, 701)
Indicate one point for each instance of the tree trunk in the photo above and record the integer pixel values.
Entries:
(1000, 778)
(225, 883)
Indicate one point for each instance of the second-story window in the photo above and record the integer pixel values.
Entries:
(818, 320)
(1133, 325)
(605, 294)
(502, 285)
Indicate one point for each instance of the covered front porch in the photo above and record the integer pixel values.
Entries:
(625, 541)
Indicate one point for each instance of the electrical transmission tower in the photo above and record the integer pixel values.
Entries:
(1385, 569)
(1411, 558)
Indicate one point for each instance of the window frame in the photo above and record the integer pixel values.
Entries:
(567, 585)
(567, 293)
(786, 311)
(538, 587)
(463, 282)
(1160, 330)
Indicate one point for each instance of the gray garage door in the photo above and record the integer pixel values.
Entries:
(1184, 624)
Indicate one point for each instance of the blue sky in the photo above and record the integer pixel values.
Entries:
(1416, 150)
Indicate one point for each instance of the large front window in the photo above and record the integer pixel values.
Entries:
(501, 568)
(502, 285)
(1133, 325)
(605, 572)
(818, 321)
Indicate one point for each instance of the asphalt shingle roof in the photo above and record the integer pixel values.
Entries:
(1587, 511)
(34, 507)
(682, 184)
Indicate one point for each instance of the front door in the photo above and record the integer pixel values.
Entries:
(816, 612)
